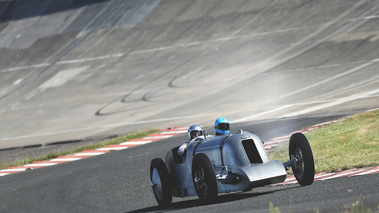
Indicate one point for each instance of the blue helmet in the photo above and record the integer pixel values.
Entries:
(222, 126)
(194, 131)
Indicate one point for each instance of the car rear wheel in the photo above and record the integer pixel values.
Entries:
(302, 159)
(160, 182)
(204, 178)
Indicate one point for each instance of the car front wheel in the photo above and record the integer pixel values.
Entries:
(204, 178)
(160, 182)
(302, 159)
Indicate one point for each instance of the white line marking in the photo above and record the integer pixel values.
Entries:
(65, 159)
(89, 153)
(222, 39)
(18, 81)
(25, 67)
(338, 175)
(112, 148)
(91, 59)
(263, 113)
(49, 133)
(135, 143)
(155, 137)
(368, 172)
(3, 174)
(331, 79)
(41, 164)
(370, 17)
(13, 170)
(320, 177)
(337, 102)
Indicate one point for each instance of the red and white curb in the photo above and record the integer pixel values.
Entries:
(327, 176)
(89, 153)
(270, 144)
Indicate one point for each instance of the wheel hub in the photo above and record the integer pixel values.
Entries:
(156, 184)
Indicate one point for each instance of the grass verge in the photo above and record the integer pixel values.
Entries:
(357, 207)
(350, 143)
(113, 141)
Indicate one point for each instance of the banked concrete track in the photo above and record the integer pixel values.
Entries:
(78, 69)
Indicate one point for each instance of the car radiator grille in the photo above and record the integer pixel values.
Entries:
(251, 151)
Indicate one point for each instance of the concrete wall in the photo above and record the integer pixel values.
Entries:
(72, 69)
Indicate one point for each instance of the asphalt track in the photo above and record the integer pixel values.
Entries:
(77, 69)
(119, 182)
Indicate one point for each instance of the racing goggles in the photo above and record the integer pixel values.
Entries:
(196, 133)
(223, 126)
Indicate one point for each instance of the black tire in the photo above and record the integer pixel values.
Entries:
(160, 182)
(204, 178)
(301, 154)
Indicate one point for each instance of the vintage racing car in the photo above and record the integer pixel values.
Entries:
(229, 163)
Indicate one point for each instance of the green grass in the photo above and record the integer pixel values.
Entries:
(357, 207)
(350, 143)
(113, 141)
(273, 209)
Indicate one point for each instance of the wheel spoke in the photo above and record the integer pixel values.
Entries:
(299, 167)
(204, 178)
(199, 180)
(301, 159)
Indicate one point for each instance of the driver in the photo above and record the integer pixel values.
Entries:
(222, 126)
(193, 132)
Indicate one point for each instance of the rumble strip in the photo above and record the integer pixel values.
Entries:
(89, 153)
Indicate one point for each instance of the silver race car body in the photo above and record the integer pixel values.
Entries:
(240, 162)
(228, 163)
